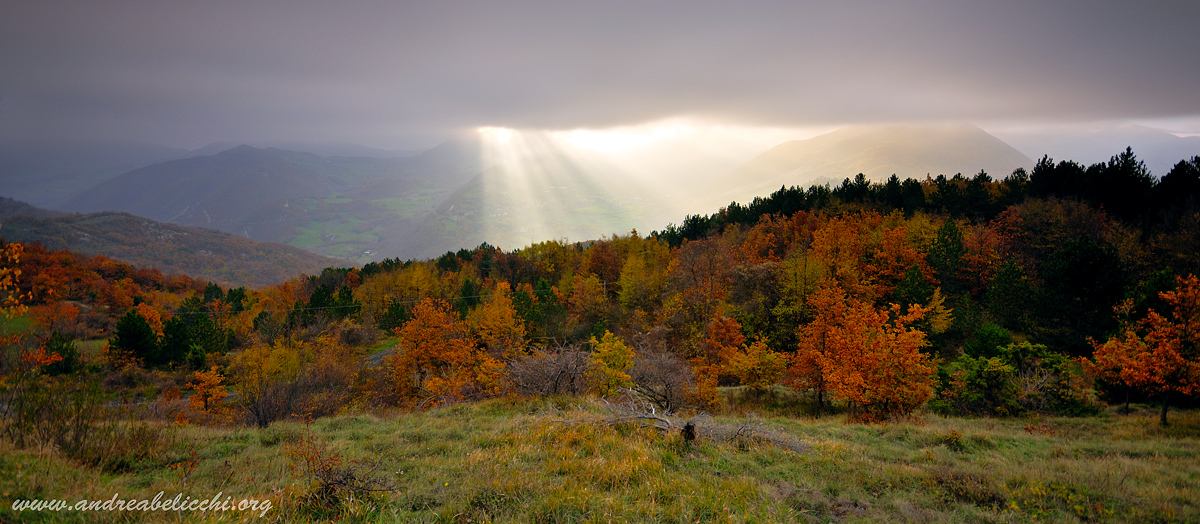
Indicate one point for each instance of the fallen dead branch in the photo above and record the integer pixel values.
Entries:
(632, 408)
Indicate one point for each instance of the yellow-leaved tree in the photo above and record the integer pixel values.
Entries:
(611, 360)
(496, 323)
(756, 366)
(208, 393)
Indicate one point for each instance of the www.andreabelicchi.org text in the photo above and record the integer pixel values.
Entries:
(179, 502)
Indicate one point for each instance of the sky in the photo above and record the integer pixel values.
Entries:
(406, 75)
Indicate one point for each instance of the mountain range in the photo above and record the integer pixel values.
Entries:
(877, 152)
(347, 207)
(204, 254)
(372, 204)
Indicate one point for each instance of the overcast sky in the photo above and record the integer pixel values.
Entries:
(397, 74)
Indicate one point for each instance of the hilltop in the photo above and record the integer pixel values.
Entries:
(201, 253)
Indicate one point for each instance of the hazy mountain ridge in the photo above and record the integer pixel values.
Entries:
(338, 206)
(11, 207)
(315, 148)
(877, 152)
(200, 253)
(1159, 149)
(211, 191)
(461, 194)
(46, 173)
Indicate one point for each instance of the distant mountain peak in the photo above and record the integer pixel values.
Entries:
(877, 151)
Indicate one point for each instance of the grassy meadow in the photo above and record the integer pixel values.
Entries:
(566, 460)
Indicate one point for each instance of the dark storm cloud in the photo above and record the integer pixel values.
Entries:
(388, 72)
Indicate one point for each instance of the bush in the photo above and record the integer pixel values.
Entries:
(664, 379)
(1049, 382)
(1022, 377)
(52, 413)
(611, 360)
(289, 377)
(333, 478)
(119, 447)
(562, 372)
(984, 386)
(63, 346)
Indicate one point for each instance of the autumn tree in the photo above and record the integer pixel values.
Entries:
(20, 369)
(643, 276)
(611, 360)
(698, 282)
(840, 245)
(722, 337)
(1160, 354)
(603, 261)
(152, 316)
(588, 302)
(797, 277)
(868, 357)
(294, 377)
(57, 316)
(266, 375)
(756, 366)
(497, 325)
(208, 390)
(437, 360)
(12, 303)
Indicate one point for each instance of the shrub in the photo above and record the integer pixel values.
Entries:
(981, 385)
(1022, 377)
(664, 379)
(291, 377)
(333, 478)
(756, 366)
(562, 372)
(63, 346)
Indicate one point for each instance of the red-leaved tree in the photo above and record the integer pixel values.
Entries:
(1159, 354)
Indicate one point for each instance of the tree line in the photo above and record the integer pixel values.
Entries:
(1048, 291)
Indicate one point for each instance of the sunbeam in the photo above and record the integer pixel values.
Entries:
(588, 183)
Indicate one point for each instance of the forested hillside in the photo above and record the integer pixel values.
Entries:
(1047, 293)
(201, 253)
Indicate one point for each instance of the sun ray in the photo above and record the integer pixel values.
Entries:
(587, 183)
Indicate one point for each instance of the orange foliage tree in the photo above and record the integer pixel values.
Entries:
(208, 391)
(868, 357)
(865, 253)
(17, 365)
(437, 360)
(987, 247)
(722, 337)
(1160, 354)
(55, 316)
(152, 316)
(587, 302)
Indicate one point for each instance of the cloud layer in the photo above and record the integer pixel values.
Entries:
(400, 74)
